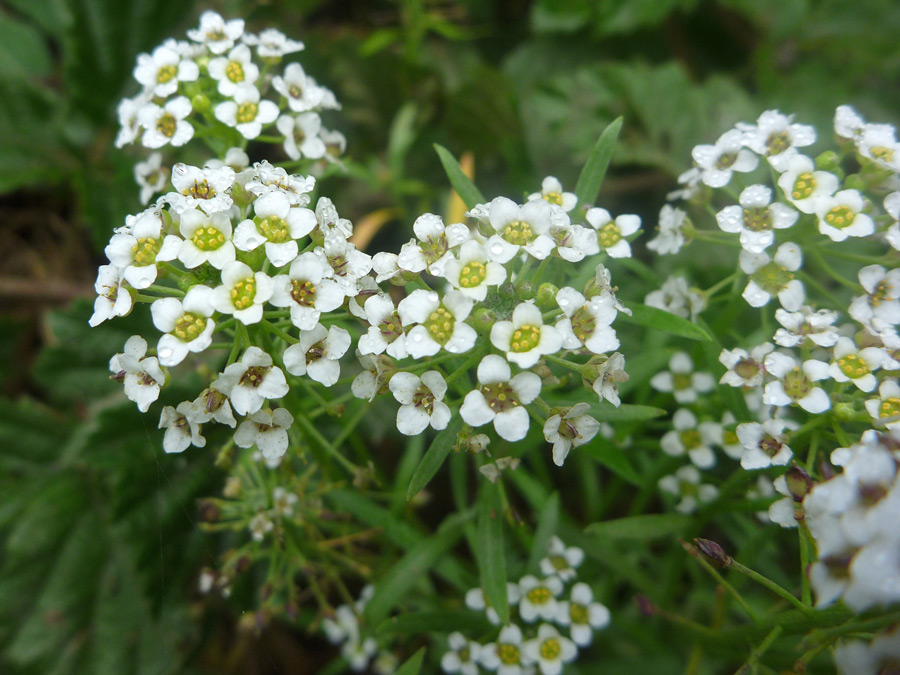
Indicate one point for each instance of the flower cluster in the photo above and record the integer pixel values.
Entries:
(543, 609)
(347, 629)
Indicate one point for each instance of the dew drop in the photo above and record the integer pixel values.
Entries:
(165, 353)
(497, 249)
(563, 302)
(416, 337)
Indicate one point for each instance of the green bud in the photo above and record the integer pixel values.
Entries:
(844, 411)
(525, 291)
(546, 295)
(242, 198)
(829, 161)
(798, 482)
(854, 182)
(483, 319)
(200, 103)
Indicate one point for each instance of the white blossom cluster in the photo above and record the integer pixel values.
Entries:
(552, 617)
(222, 75)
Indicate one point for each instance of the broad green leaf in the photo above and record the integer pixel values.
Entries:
(546, 528)
(661, 320)
(490, 552)
(413, 665)
(644, 527)
(446, 621)
(610, 456)
(464, 187)
(413, 567)
(588, 185)
(434, 458)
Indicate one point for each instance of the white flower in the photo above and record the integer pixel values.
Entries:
(463, 657)
(475, 599)
(385, 330)
(142, 377)
(756, 218)
(717, 162)
(260, 525)
(300, 90)
(805, 324)
(242, 293)
(795, 383)
(878, 142)
(208, 188)
(212, 405)
(745, 369)
(306, 290)
(246, 112)
(783, 512)
(803, 185)
(873, 658)
(217, 34)
(301, 135)
(440, 322)
(318, 354)
(773, 276)
(692, 438)
(206, 239)
(136, 252)
(569, 430)
(472, 272)
(181, 430)
(112, 299)
(686, 484)
(264, 178)
(764, 444)
(151, 176)
(587, 323)
(348, 265)
(670, 239)
(161, 72)
(840, 215)
(776, 138)
(518, 228)
(538, 597)
(251, 381)
(552, 192)
(856, 365)
(550, 650)
(506, 655)
(267, 430)
(166, 125)
(847, 122)
(500, 398)
(283, 501)
(611, 234)
(432, 247)
(272, 44)
(608, 378)
(892, 206)
(573, 242)
(373, 380)
(675, 297)
(561, 560)
(278, 225)
(885, 409)
(581, 614)
(685, 384)
(234, 70)
(127, 112)
(881, 304)
(186, 325)
(525, 339)
(422, 400)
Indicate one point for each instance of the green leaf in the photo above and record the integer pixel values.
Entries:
(434, 458)
(413, 665)
(464, 187)
(664, 321)
(626, 412)
(546, 527)
(610, 456)
(22, 50)
(588, 185)
(640, 528)
(490, 552)
(413, 567)
(441, 621)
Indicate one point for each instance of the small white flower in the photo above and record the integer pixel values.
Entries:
(251, 381)
(570, 429)
(215, 33)
(161, 72)
(856, 365)
(301, 135)
(129, 125)
(783, 511)
(550, 650)
(847, 122)
(777, 138)
(151, 176)
(552, 192)
(186, 323)
(283, 501)
(686, 484)
(472, 272)
(300, 90)
(880, 306)
(260, 525)
(803, 185)
(611, 234)
(672, 222)
(272, 44)
(716, 163)
(756, 218)
(212, 405)
(136, 252)
(675, 297)
(246, 112)
(582, 615)
(764, 444)
(181, 431)
(745, 369)
(431, 249)
(233, 71)
(573, 242)
(878, 142)
(306, 290)
(242, 293)
(685, 384)
(208, 188)
(422, 400)
(500, 398)
(475, 599)
(561, 560)
(206, 239)
(773, 276)
(525, 339)
(141, 376)
(518, 228)
(840, 215)
(506, 656)
(318, 354)
(348, 265)
(166, 125)
(264, 178)
(609, 376)
(440, 322)
(885, 409)
(277, 224)
(689, 437)
(795, 383)
(385, 330)
(267, 430)
(373, 379)
(806, 324)
(463, 657)
(587, 323)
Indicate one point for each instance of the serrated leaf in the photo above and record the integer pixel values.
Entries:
(661, 320)
(546, 527)
(641, 528)
(610, 456)
(490, 551)
(434, 458)
(442, 621)
(591, 177)
(413, 665)
(464, 187)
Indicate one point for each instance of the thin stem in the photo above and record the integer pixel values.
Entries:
(311, 429)
(270, 327)
(166, 290)
(571, 365)
(714, 573)
(763, 647)
(771, 585)
(805, 591)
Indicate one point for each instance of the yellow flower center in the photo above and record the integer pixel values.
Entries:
(167, 125)
(772, 277)
(525, 338)
(472, 274)
(274, 229)
(234, 71)
(757, 219)
(499, 396)
(243, 292)
(166, 73)
(583, 324)
(578, 614)
(550, 649)
(246, 112)
(778, 142)
(201, 190)
(853, 366)
(208, 238)
(797, 384)
(145, 251)
(890, 407)
(295, 91)
(518, 232)
(882, 153)
(554, 198)
(539, 595)
(840, 217)
(440, 325)
(691, 439)
(804, 186)
(303, 292)
(726, 160)
(189, 326)
(609, 234)
(508, 653)
(253, 377)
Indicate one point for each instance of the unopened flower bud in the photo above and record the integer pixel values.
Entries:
(715, 555)
(798, 482)
(844, 411)
(525, 291)
(241, 196)
(854, 182)
(829, 161)
(483, 319)
(200, 103)
(546, 295)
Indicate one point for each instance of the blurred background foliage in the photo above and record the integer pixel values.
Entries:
(99, 544)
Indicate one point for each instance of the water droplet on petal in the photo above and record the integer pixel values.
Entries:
(416, 337)
(165, 353)
(497, 249)
(563, 302)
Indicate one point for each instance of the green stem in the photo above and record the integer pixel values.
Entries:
(805, 591)
(166, 290)
(771, 585)
(759, 651)
(271, 328)
(830, 272)
(539, 273)
(714, 573)
(311, 429)
(571, 365)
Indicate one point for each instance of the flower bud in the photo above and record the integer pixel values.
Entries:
(829, 161)
(525, 291)
(715, 555)
(546, 295)
(855, 182)
(844, 411)
(483, 319)
(208, 510)
(798, 482)
(200, 103)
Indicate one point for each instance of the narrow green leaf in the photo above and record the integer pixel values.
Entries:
(490, 552)
(610, 456)
(417, 623)
(588, 185)
(546, 527)
(664, 321)
(413, 665)
(434, 458)
(648, 526)
(413, 566)
(606, 412)
(464, 187)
